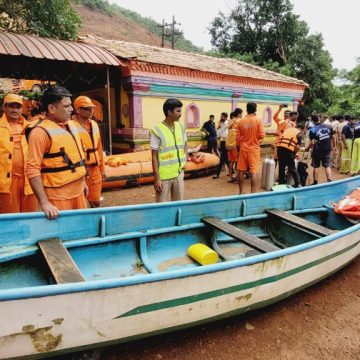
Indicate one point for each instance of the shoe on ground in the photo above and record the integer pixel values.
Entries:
(215, 176)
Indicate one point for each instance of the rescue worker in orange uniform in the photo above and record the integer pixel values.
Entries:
(282, 125)
(288, 145)
(91, 141)
(56, 163)
(250, 134)
(16, 194)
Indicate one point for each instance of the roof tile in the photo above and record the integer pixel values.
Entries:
(152, 54)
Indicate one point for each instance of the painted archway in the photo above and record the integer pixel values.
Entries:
(192, 116)
(267, 116)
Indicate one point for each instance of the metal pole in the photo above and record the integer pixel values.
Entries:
(109, 107)
(163, 34)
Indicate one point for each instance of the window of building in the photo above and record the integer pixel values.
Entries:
(267, 116)
(192, 116)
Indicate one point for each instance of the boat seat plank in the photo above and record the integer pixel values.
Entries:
(300, 222)
(238, 234)
(60, 261)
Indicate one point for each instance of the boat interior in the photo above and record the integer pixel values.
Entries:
(138, 253)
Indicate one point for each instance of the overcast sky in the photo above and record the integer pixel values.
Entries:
(338, 21)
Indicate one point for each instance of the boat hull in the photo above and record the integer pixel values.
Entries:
(45, 325)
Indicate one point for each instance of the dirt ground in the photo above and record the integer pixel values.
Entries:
(322, 322)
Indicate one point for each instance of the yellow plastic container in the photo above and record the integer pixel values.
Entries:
(203, 254)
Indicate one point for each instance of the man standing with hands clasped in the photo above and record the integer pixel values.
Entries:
(169, 153)
(56, 163)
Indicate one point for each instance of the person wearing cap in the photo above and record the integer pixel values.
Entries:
(56, 161)
(91, 140)
(16, 194)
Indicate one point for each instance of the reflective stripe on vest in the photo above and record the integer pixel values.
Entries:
(289, 139)
(6, 156)
(90, 142)
(64, 163)
(171, 154)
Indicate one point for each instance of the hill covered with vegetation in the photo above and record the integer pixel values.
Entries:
(114, 22)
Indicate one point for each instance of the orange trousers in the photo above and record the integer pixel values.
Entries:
(94, 183)
(78, 202)
(16, 201)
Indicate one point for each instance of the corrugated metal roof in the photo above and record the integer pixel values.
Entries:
(152, 54)
(51, 49)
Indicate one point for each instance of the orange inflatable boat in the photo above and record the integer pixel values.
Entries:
(136, 168)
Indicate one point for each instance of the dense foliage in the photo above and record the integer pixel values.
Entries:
(348, 92)
(48, 18)
(268, 34)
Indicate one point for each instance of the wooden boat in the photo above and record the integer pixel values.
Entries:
(136, 168)
(98, 276)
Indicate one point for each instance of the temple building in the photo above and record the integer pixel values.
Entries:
(206, 85)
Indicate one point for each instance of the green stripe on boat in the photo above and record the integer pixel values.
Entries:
(232, 289)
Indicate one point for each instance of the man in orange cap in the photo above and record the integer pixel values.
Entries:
(15, 191)
(56, 162)
(91, 140)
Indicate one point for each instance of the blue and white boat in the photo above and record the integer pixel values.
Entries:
(99, 276)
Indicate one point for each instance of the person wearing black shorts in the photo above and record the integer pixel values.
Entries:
(322, 141)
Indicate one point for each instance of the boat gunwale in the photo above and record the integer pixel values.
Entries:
(96, 285)
(197, 201)
(28, 250)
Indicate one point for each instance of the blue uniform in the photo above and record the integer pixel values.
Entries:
(322, 134)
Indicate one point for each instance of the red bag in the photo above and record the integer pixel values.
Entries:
(349, 205)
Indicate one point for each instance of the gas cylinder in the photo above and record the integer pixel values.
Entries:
(270, 174)
(263, 171)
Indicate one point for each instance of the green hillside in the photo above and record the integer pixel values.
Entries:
(146, 22)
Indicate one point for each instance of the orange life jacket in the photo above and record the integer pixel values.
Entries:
(289, 139)
(281, 127)
(64, 163)
(6, 154)
(90, 142)
(349, 205)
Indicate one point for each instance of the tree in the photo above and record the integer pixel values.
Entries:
(263, 28)
(268, 32)
(347, 99)
(48, 18)
(313, 64)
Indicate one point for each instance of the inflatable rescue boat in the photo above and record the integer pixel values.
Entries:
(135, 168)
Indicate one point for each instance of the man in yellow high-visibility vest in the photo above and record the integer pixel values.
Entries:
(169, 153)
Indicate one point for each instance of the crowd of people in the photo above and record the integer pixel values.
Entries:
(334, 142)
(240, 139)
(53, 162)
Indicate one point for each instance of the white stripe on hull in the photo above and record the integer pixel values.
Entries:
(70, 321)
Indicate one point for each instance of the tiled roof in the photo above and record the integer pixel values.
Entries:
(52, 49)
(157, 55)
